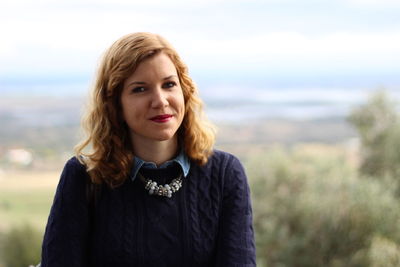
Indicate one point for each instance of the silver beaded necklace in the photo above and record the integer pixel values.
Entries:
(161, 190)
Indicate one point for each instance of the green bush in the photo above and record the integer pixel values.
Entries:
(378, 125)
(21, 247)
(384, 253)
(311, 209)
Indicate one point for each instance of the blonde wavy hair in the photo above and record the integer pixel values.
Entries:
(110, 156)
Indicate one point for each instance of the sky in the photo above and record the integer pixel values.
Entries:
(242, 43)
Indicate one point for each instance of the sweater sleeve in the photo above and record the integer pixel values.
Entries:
(236, 238)
(66, 235)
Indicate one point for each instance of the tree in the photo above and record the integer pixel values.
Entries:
(378, 126)
(311, 209)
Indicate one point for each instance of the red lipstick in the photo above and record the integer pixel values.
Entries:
(161, 118)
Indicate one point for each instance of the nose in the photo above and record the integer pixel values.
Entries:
(159, 99)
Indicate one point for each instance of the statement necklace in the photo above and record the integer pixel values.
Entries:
(161, 190)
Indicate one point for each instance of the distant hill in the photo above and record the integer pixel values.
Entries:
(50, 127)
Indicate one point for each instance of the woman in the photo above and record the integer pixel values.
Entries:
(163, 196)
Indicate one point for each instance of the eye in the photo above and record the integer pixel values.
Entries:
(139, 89)
(169, 84)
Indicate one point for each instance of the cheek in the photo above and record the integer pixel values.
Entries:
(123, 110)
(129, 113)
(181, 100)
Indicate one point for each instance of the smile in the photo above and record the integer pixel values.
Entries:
(161, 118)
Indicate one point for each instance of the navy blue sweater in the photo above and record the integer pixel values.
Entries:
(208, 222)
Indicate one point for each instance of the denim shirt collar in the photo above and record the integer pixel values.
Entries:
(182, 159)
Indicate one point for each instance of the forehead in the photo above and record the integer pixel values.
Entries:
(156, 66)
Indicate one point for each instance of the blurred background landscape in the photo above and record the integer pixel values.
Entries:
(305, 93)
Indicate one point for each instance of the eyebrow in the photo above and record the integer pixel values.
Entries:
(141, 83)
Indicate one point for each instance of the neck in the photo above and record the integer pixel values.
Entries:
(155, 151)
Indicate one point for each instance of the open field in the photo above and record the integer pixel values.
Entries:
(26, 197)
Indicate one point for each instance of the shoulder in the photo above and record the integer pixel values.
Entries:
(222, 156)
(221, 166)
(73, 176)
(74, 168)
(229, 169)
(222, 159)
(74, 164)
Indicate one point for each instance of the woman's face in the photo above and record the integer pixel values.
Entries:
(152, 101)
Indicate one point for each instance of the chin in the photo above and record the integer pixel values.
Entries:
(164, 137)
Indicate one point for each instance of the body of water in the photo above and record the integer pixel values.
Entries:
(223, 103)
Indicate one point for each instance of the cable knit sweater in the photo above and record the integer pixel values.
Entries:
(208, 222)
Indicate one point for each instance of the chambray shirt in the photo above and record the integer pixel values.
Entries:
(182, 160)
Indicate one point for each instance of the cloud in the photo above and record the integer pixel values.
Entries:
(66, 36)
(290, 50)
(374, 3)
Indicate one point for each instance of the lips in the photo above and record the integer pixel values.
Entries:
(161, 118)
